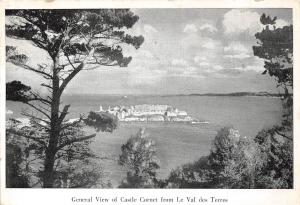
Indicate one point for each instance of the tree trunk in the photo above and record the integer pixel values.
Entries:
(53, 134)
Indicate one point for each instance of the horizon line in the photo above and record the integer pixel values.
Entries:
(166, 94)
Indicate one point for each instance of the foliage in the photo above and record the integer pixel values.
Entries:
(74, 40)
(77, 32)
(276, 48)
(102, 121)
(276, 143)
(28, 145)
(277, 156)
(12, 55)
(14, 176)
(192, 175)
(17, 91)
(139, 157)
(233, 160)
(231, 164)
(75, 164)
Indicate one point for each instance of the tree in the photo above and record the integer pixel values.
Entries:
(139, 157)
(75, 164)
(275, 46)
(276, 154)
(29, 142)
(191, 175)
(232, 163)
(15, 175)
(234, 160)
(75, 40)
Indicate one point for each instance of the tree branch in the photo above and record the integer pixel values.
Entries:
(63, 114)
(283, 135)
(79, 139)
(37, 97)
(27, 67)
(70, 62)
(36, 140)
(47, 86)
(75, 71)
(36, 118)
(39, 110)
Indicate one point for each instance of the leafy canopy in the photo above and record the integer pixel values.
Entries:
(275, 46)
(76, 32)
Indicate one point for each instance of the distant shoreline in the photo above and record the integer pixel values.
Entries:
(235, 94)
(232, 94)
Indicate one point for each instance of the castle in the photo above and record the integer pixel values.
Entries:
(149, 113)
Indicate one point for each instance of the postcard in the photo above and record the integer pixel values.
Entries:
(149, 102)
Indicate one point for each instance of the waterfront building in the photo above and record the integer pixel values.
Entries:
(182, 113)
(171, 114)
(156, 118)
(131, 119)
(150, 113)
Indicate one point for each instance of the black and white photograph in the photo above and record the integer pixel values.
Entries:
(159, 98)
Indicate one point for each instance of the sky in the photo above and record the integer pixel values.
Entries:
(185, 51)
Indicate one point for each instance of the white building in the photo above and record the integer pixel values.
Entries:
(145, 109)
(171, 114)
(131, 119)
(156, 118)
(181, 112)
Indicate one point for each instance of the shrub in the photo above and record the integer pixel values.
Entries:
(139, 157)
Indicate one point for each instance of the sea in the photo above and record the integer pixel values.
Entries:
(176, 143)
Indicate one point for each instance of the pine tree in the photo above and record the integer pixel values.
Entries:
(74, 40)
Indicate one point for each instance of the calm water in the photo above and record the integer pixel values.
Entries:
(176, 143)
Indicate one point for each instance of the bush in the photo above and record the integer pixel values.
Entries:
(231, 164)
(75, 164)
(139, 157)
(277, 156)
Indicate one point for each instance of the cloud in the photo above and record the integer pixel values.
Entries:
(211, 44)
(238, 21)
(257, 66)
(193, 45)
(231, 72)
(149, 29)
(189, 71)
(184, 71)
(141, 75)
(281, 23)
(190, 28)
(179, 62)
(236, 47)
(145, 53)
(142, 57)
(193, 28)
(204, 63)
(238, 56)
(201, 61)
(198, 59)
(237, 50)
(208, 27)
(217, 67)
(245, 68)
